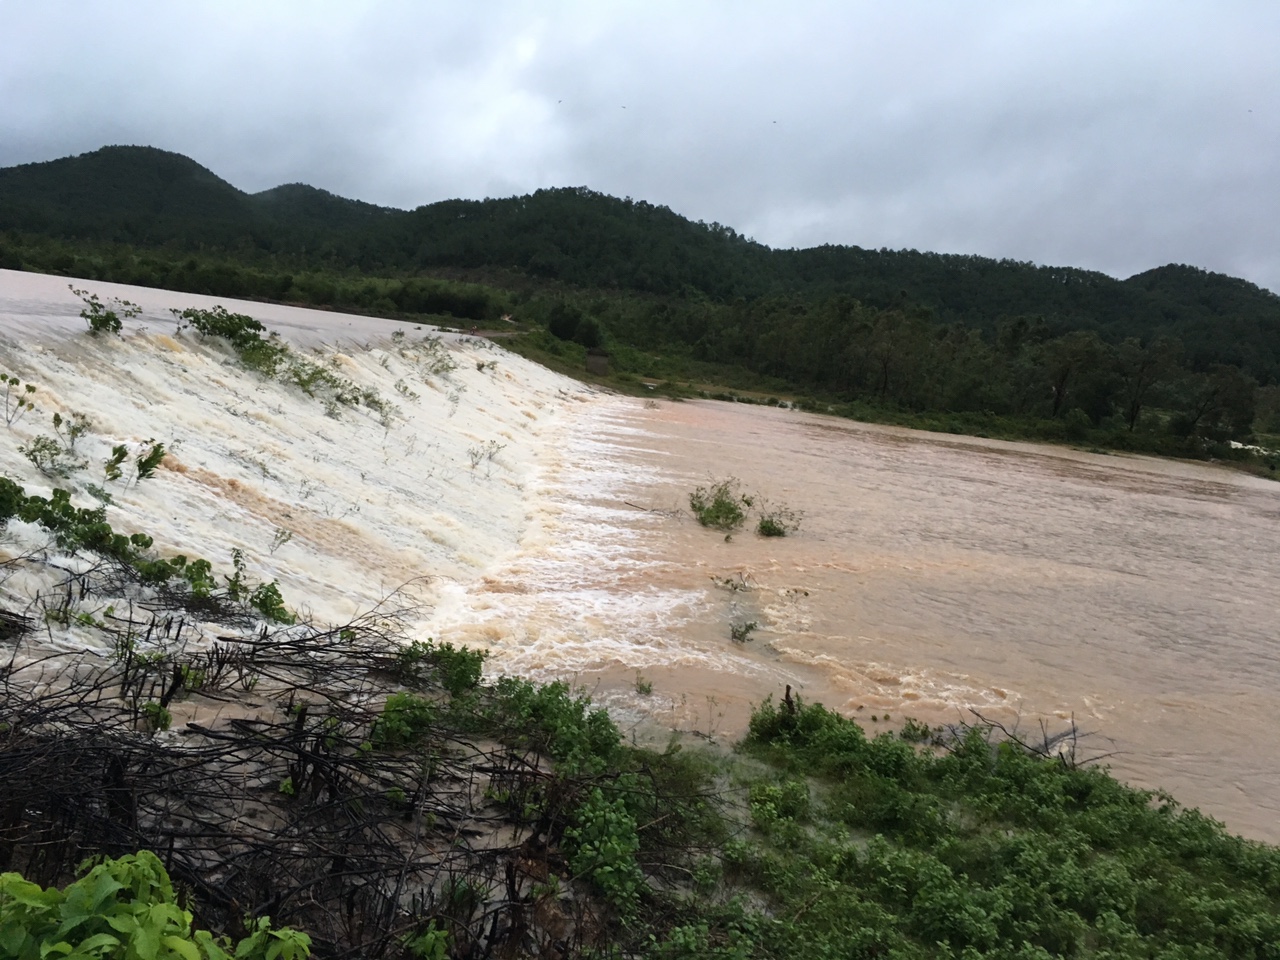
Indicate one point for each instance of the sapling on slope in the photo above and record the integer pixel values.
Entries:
(71, 428)
(102, 318)
(17, 399)
(149, 458)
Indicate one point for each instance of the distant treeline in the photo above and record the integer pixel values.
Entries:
(1175, 353)
(221, 275)
(905, 360)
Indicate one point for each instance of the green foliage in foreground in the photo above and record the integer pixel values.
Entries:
(867, 847)
(124, 909)
(814, 841)
(850, 846)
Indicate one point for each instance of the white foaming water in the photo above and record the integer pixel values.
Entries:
(341, 504)
(584, 594)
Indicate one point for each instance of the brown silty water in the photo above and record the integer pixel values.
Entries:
(932, 575)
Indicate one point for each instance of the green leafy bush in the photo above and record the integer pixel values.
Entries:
(271, 358)
(49, 456)
(268, 602)
(773, 801)
(238, 329)
(721, 506)
(17, 398)
(71, 428)
(431, 944)
(123, 909)
(406, 720)
(459, 668)
(603, 846)
(156, 717)
(102, 318)
(111, 467)
(81, 528)
(777, 521)
(149, 459)
(549, 717)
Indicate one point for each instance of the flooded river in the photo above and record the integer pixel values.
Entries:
(932, 575)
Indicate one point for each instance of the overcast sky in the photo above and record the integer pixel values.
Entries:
(1110, 135)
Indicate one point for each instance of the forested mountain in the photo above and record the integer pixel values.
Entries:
(147, 197)
(902, 330)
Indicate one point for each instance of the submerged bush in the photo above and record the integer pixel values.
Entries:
(777, 521)
(721, 506)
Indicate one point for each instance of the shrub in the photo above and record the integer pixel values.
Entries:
(238, 329)
(124, 908)
(149, 459)
(431, 944)
(459, 668)
(550, 717)
(265, 356)
(156, 717)
(777, 521)
(102, 318)
(406, 720)
(788, 800)
(49, 457)
(17, 398)
(603, 849)
(71, 428)
(721, 506)
(111, 466)
(266, 599)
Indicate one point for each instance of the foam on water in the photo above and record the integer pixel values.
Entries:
(580, 596)
(341, 505)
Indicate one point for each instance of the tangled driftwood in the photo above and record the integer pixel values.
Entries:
(270, 800)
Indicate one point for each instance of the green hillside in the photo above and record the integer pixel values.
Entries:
(149, 198)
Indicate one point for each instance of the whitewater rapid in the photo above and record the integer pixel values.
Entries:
(343, 505)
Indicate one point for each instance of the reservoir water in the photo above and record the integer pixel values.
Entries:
(933, 575)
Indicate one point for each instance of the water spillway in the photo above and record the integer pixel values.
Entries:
(515, 509)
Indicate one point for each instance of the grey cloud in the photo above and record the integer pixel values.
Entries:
(1115, 136)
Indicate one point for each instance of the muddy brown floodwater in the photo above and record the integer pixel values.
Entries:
(932, 574)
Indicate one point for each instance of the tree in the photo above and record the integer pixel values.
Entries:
(563, 319)
(1140, 368)
(1063, 361)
